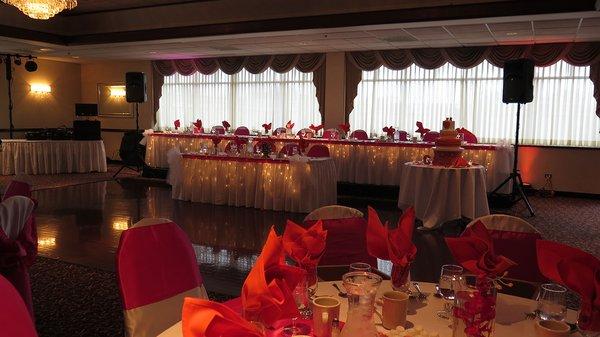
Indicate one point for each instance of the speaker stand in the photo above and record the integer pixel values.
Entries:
(517, 194)
(137, 169)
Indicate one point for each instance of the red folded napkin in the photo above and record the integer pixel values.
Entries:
(577, 270)
(267, 127)
(267, 293)
(203, 318)
(198, 124)
(177, 124)
(315, 128)
(289, 125)
(345, 127)
(305, 246)
(226, 125)
(421, 129)
(460, 162)
(389, 130)
(393, 244)
(474, 250)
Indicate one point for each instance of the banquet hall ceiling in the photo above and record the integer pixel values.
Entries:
(159, 29)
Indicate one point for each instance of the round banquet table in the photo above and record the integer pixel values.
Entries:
(441, 194)
(510, 312)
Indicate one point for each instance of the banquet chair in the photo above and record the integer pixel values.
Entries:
(331, 134)
(17, 187)
(318, 150)
(242, 131)
(218, 129)
(280, 130)
(514, 238)
(15, 319)
(401, 135)
(288, 149)
(18, 244)
(156, 270)
(468, 136)
(431, 136)
(359, 134)
(346, 235)
(308, 133)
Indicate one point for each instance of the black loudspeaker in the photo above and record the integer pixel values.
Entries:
(135, 87)
(518, 81)
(86, 130)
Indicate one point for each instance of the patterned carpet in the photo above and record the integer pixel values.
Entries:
(46, 181)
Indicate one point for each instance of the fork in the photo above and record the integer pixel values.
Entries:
(421, 295)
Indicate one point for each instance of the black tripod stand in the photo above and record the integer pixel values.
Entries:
(130, 147)
(517, 192)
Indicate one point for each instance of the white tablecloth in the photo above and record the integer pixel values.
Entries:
(20, 156)
(294, 185)
(440, 194)
(361, 162)
(510, 313)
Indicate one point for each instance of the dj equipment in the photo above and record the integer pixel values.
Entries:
(518, 81)
(82, 109)
(86, 130)
(135, 87)
(50, 134)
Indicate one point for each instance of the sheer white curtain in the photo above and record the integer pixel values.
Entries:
(243, 99)
(562, 111)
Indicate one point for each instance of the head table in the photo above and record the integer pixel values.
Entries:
(510, 312)
(294, 184)
(371, 162)
(20, 156)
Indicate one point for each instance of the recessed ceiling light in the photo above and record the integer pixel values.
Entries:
(75, 57)
(511, 34)
(303, 43)
(152, 52)
(46, 49)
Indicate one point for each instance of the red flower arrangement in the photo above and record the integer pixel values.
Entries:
(345, 127)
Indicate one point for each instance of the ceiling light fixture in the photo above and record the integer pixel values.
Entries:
(42, 9)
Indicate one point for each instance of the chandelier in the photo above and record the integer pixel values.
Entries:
(42, 9)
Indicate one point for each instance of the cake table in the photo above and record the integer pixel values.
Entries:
(441, 194)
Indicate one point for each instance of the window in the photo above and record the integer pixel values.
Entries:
(243, 99)
(562, 112)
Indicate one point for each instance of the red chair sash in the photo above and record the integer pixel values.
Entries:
(242, 131)
(346, 241)
(359, 134)
(331, 134)
(288, 149)
(155, 263)
(520, 247)
(14, 320)
(402, 135)
(17, 188)
(431, 136)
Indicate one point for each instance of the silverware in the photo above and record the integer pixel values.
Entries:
(422, 296)
(438, 293)
(340, 292)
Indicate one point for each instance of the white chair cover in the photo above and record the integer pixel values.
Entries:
(503, 222)
(14, 213)
(333, 212)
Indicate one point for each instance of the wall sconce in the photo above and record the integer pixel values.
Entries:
(117, 91)
(38, 88)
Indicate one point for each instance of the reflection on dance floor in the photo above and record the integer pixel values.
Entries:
(83, 223)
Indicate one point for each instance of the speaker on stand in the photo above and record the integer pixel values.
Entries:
(517, 88)
(131, 152)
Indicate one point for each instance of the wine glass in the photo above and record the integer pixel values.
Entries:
(360, 266)
(451, 281)
(552, 302)
(301, 297)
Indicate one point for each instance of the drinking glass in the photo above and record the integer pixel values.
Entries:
(360, 266)
(301, 298)
(552, 302)
(451, 281)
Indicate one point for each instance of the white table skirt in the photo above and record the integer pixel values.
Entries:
(510, 313)
(361, 162)
(441, 194)
(294, 186)
(20, 156)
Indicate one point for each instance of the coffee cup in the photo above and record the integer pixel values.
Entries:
(552, 329)
(393, 309)
(325, 310)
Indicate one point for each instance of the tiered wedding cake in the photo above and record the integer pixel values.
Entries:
(447, 148)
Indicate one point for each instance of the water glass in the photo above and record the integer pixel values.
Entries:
(451, 280)
(360, 266)
(552, 302)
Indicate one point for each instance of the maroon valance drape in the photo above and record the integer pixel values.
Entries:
(577, 54)
(305, 63)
